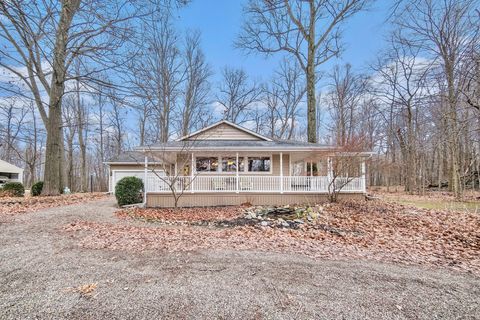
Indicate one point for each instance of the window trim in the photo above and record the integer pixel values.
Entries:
(231, 172)
(210, 172)
(270, 156)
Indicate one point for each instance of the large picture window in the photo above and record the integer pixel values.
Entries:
(230, 164)
(259, 164)
(207, 164)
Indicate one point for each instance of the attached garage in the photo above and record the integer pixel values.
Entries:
(129, 164)
(10, 173)
(117, 174)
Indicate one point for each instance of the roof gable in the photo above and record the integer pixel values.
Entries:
(224, 130)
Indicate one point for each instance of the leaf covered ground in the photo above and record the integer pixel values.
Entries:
(184, 214)
(18, 205)
(374, 230)
(437, 200)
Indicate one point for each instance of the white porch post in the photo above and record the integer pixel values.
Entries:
(112, 182)
(237, 180)
(145, 181)
(191, 174)
(281, 172)
(364, 179)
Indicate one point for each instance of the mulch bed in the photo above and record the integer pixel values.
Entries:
(19, 205)
(373, 230)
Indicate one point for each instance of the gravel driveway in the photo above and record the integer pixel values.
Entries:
(40, 265)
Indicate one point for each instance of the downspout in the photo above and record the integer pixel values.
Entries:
(191, 174)
(237, 182)
(145, 183)
(281, 172)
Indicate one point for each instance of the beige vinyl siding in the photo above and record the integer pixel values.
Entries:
(224, 132)
(233, 199)
(276, 165)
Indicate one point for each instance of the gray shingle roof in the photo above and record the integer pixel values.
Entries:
(236, 145)
(130, 157)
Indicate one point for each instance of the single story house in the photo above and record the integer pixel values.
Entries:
(10, 173)
(226, 164)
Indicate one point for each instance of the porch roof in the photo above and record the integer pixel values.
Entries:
(131, 157)
(237, 145)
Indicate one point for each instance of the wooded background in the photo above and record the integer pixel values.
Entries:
(83, 81)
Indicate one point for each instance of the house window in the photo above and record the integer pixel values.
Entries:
(230, 164)
(259, 164)
(207, 164)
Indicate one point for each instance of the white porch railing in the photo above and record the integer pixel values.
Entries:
(285, 184)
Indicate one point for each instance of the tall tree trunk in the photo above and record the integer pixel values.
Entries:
(311, 98)
(53, 180)
(103, 180)
(453, 135)
(70, 160)
(81, 121)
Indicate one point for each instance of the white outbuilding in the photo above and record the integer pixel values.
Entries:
(10, 173)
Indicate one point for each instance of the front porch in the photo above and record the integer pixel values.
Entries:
(253, 184)
(255, 173)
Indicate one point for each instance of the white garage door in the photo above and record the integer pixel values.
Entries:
(117, 175)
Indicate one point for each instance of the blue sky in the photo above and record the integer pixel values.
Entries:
(219, 22)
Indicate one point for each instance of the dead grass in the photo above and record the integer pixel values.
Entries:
(436, 200)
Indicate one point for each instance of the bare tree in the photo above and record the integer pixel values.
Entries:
(193, 110)
(69, 120)
(283, 96)
(402, 76)
(309, 30)
(82, 123)
(45, 37)
(14, 111)
(237, 94)
(33, 148)
(171, 177)
(343, 101)
(445, 30)
(345, 166)
(116, 118)
(157, 74)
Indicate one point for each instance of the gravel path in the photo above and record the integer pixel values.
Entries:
(40, 264)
